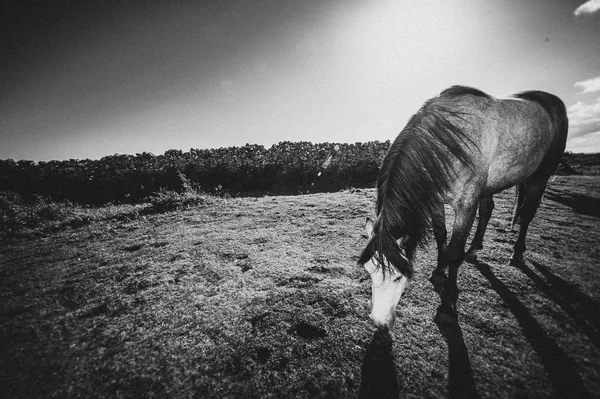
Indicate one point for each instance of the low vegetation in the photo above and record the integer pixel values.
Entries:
(196, 295)
(20, 218)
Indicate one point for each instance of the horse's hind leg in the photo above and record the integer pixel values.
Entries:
(532, 190)
(486, 206)
(520, 199)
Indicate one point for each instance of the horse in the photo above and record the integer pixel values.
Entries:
(459, 148)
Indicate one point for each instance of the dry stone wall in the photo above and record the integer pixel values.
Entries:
(287, 167)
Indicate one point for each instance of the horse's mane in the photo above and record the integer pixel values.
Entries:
(415, 175)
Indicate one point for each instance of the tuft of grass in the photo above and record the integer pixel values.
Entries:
(168, 200)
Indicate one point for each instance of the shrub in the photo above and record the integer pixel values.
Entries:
(171, 200)
(17, 215)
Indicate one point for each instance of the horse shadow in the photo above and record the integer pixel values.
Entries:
(560, 368)
(580, 307)
(580, 203)
(461, 383)
(379, 372)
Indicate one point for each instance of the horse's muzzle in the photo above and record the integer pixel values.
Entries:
(384, 323)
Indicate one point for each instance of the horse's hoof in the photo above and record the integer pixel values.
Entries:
(471, 258)
(518, 261)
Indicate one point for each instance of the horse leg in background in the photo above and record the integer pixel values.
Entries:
(533, 190)
(520, 194)
(455, 253)
(486, 206)
(438, 277)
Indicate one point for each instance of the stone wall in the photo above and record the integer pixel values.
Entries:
(287, 167)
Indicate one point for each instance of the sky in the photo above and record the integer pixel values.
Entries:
(85, 79)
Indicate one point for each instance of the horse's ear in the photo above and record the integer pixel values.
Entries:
(402, 241)
(369, 227)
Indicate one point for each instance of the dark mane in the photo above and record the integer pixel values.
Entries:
(463, 90)
(415, 175)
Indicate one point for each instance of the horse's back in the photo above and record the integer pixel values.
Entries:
(555, 107)
(515, 136)
(541, 142)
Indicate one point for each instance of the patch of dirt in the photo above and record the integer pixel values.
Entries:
(303, 281)
(307, 330)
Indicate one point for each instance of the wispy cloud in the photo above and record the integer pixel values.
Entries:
(590, 85)
(585, 113)
(589, 143)
(587, 8)
(584, 119)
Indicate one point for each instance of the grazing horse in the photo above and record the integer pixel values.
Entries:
(460, 148)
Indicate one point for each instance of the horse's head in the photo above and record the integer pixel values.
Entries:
(387, 283)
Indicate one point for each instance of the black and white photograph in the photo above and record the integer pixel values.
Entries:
(300, 199)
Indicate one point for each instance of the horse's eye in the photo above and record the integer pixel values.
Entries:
(398, 279)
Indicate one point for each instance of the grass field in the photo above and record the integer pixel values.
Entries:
(261, 297)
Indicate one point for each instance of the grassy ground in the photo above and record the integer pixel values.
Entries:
(261, 297)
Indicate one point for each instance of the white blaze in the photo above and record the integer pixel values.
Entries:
(386, 293)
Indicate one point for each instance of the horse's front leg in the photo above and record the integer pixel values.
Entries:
(455, 253)
(438, 277)
(486, 206)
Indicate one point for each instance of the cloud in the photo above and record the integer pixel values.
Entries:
(584, 118)
(590, 85)
(587, 8)
(587, 143)
(581, 111)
